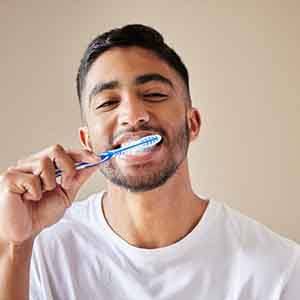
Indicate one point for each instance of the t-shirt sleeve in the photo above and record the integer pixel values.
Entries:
(291, 290)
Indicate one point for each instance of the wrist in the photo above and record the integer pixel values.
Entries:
(17, 251)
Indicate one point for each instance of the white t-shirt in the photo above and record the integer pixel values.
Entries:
(227, 256)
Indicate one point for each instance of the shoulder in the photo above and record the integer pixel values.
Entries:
(261, 250)
(254, 236)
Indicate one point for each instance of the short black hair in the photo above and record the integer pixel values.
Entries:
(130, 35)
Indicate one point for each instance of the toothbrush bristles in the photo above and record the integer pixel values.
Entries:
(143, 143)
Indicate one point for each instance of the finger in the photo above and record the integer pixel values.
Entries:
(64, 162)
(45, 152)
(44, 168)
(47, 174)
(26, 185)
(79, 179)
(83, 155)
(59, 157)
(77, 155)
(32, 186)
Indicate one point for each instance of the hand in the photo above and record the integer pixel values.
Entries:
(30, 196)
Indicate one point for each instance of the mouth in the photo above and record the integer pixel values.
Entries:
(140, 155)
(128, 139)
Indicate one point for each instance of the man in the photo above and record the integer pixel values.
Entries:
(148, 235)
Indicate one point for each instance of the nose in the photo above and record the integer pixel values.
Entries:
(133, 112)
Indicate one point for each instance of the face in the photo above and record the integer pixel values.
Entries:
(131, 93)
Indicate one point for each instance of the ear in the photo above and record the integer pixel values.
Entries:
(194, 122)
(84, 138)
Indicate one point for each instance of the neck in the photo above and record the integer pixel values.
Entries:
(156, 218)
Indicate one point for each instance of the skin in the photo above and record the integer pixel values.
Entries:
(31, 198)
(138, 216)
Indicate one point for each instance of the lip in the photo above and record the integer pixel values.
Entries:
(130, 136)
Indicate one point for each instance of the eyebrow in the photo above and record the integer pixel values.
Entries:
(139, 80)
(153, 77)
(102, 86)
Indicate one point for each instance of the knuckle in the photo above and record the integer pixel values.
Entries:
(34, 180)
(40, 165)
(44, 162)
(57, 148)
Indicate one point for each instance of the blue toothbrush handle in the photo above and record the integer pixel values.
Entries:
(104, 156)
(82, 164)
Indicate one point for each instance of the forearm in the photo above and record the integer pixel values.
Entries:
(14, 270)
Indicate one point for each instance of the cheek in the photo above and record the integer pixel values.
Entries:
(100, 137)
(101, 128)
(172, 116)
(172, 128)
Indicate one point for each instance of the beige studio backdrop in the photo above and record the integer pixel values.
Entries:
(243, 59)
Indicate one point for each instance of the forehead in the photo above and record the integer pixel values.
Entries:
(125, 64)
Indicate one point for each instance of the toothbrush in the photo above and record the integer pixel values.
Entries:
(141, 144)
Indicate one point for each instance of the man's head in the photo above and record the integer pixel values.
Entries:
(130, 35)
(131, 84)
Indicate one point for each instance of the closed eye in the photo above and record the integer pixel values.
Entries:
(108, 104)
(155, 96)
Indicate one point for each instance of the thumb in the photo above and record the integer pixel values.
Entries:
(79, 179)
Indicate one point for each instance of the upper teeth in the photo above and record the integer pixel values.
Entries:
(128, 142)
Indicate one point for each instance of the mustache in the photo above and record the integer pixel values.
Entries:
(142, 127)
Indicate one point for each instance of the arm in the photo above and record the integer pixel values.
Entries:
(14, 270)
(30, 200)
